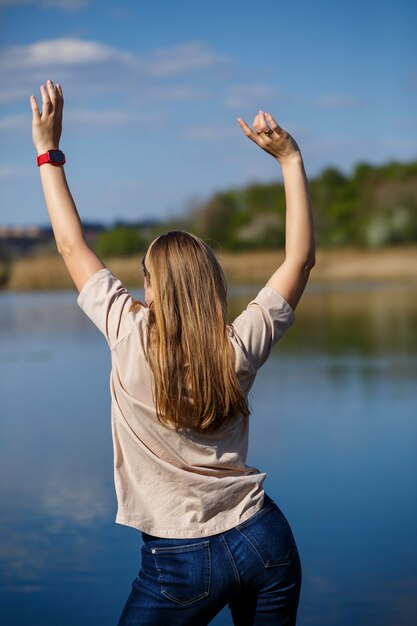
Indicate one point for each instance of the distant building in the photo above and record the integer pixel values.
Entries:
(25, 240)
(22, 240)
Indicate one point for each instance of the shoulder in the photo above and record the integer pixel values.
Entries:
(268, 308)
(260, 326)
(110, 306)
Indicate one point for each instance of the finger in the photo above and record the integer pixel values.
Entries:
(51, 91)
(247, 130)
(272, 122)
(46, 101)
(59, 98)
(257, 122)
(36, 114)
(262, 119)
(263, 126)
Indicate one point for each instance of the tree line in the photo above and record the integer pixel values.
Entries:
(374, 206)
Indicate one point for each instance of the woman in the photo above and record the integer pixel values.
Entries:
(179, 385)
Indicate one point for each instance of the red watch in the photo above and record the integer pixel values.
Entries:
(55, 157)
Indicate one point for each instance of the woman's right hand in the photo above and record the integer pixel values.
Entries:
(270, 137)
(47, 124)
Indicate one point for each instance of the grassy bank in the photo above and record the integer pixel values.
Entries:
(49, 272)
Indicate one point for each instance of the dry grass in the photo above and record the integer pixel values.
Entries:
(39, 273)
(49, 272)
(331, 265)
(385, 264)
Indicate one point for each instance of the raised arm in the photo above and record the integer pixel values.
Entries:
(291, 277)
(80, 260)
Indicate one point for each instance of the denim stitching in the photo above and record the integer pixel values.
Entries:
(267, 563)
(191, 547)
(207, 578)
(231, 559)
(257, 516)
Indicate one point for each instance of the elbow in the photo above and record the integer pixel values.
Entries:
(64, 249)
(306, 266)
(302, 264)
(310, 259)
(306, 262)
(60, 248)
(310, 262)
(303, 256)
(67, 248)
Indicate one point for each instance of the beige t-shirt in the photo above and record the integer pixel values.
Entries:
(168, 483)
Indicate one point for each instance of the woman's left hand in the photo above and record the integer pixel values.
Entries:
(270, 137)
(47, 125)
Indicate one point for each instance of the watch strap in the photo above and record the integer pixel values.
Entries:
(57, 159)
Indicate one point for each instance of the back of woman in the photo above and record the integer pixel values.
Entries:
(181, 471)
(179, 389)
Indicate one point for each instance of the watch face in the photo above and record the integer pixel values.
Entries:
(56, 156)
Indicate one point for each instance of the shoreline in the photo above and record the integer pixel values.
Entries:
(48, 273)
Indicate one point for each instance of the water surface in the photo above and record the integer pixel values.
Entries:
(333, 424)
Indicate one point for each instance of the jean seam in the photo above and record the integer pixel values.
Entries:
(191, 547)
(230, 556)
(268, 564)
(204, 594)
(257, 516)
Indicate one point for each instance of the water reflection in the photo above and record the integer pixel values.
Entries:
(372, 319)
(333, 425)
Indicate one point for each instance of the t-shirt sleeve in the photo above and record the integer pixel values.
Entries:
(106, 301)
(262, 324)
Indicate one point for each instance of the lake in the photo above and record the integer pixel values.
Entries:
(334, 425)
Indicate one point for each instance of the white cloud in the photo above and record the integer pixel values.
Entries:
(89, 69)
(63, 5)
(212, 132)
(249, 95)
(185, 58)
(14, 122)
(87, 119)
(70, 51)
(10, 171)
(58, 52)
(337, 101)
(14, 93)
(108, 118)
(174, 93)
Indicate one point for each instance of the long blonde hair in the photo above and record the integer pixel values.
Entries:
(189, 350)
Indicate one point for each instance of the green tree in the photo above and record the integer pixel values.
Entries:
(374, 206)
(119, 241)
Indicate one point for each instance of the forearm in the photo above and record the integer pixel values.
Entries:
(299, 231)
(80, 259)
(292, 275)
(65, 221)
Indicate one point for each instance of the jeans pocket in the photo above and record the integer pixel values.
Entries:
(184, 571)
(271, 537)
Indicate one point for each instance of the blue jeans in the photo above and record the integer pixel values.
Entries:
(254, 568)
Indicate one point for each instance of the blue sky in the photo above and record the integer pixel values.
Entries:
(152, 91)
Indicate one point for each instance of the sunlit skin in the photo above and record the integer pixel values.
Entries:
(195, 377)
(80, 260)
(291, 276)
